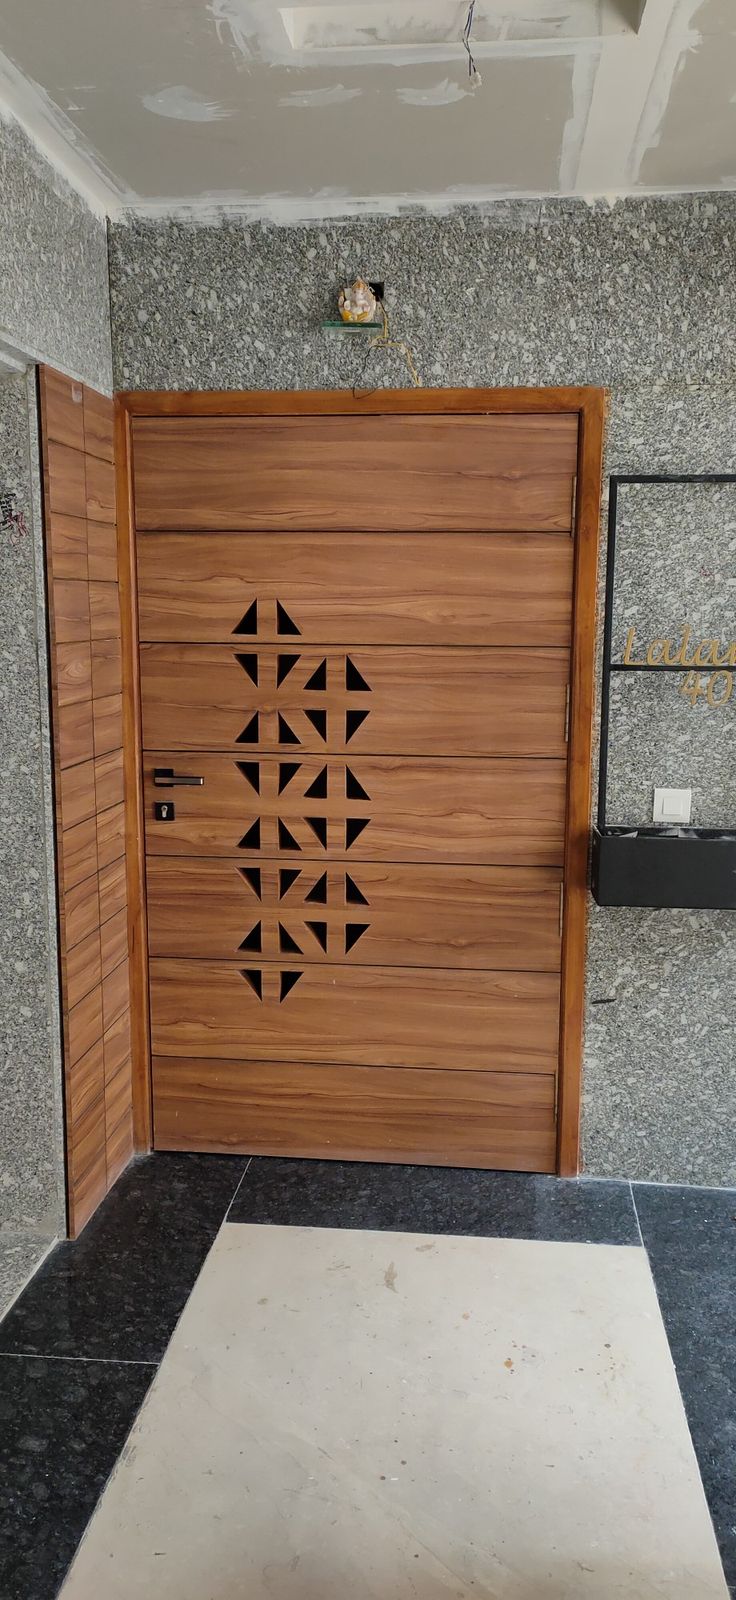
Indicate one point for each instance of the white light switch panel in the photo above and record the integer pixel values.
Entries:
(672, 805)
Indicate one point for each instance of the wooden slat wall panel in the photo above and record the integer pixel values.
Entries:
(474, 1119)
(410, 702)
(84, 626)
(420, 588)
(410, 915)
(356, 474)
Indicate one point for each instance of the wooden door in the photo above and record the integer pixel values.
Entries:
(356, 638)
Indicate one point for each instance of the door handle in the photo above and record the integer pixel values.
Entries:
(167, 778)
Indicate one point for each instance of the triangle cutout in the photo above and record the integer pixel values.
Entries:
(353, 895)
(353, 932)
(284, 665)
(319, 929)
(251, 772)
(252, 876)
(252, 839)
(286, 839)
(287, 945)
(354, 680)
(287, 771)
(250, 733)
(353, 789)
(318, 679)
(252, 940)
(287, 876)
(285, 623)
(287, 734)
(318, 789)
(318, 826)
(353, 721)
(318, 720)
(254, 977)
(249, 622)
(353, 828)
(318, 895)
(249, 664)
(288, 979)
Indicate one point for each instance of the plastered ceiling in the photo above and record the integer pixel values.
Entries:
(313, 110)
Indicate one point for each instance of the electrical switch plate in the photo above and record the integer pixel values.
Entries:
(672, 805)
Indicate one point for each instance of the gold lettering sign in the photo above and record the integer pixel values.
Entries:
(716, 686)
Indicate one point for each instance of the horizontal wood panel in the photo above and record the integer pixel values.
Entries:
(376, 1016)
(407, 915)
(411, 701)
(474, 1119)
(509, 812)
(505, 589)
(405, 472)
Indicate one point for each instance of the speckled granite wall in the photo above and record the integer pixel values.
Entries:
(642, 299)
(54, 301)
(31, 1141)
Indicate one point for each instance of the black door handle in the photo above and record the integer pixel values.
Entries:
(167, 778)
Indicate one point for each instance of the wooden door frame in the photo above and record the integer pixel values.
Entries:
(590, 406)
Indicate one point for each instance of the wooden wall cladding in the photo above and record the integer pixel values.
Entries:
(86, 691)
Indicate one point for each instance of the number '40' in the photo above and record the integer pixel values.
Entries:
(717, 688)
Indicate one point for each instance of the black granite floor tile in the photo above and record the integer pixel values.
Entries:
(510, 1205)
(62, 1427)
(118, 1290)
(690, 1235)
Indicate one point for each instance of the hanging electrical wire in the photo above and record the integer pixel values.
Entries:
(473, 72)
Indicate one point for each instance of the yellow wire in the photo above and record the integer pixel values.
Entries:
(383, 342)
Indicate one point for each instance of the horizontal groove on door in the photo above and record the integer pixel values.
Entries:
(473, 1119)
(349, 473)
(462, 809)
(416, 701)
(399, 588)
(374, 1016)
(364, 913)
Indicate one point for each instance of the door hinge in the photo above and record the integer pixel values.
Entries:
(567, 713)
(562, 909)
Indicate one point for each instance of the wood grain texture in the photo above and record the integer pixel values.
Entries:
(423, 588)
(379, 1016)
(510, 812)
(406, 701)
(355, 403)
(379, 473)
(474, 1119)
(427, 916)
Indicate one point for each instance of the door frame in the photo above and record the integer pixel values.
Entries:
(590, 405)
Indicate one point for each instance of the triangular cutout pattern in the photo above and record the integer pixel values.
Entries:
(250, 734)
(284, 665)
(318, 826)
(318, 895)
(287, 876)
(252, 839)
(319, 929)
(353, 828)
(249, 622)
(354, 680)
(353, 721)
(353, 789)
(249, 664)
(254, 977)
(288, 979)
(285, 623)
(318, 679)
(287, 945)
(353, 932)
(286, 839)
(318, 720)
(287, 771)
(251, 772)
(252, 876)
(287, 734)
(252, 940)
(318, 789)
(353, 895)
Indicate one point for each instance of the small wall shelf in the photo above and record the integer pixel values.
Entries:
(335, 325)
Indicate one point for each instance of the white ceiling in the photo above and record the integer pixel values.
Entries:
(315, 110)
